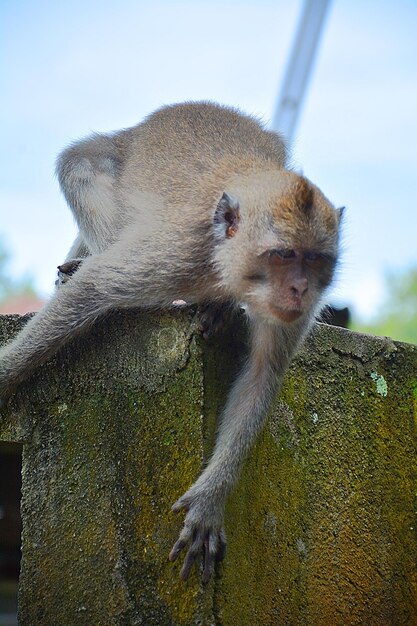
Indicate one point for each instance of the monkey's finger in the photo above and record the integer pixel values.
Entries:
(222, 546)
(191, 557)
(181, 504)
(192, 554)
(178, 546)
(187, 567)
(214, 551)
(186, 535)
(210, 550)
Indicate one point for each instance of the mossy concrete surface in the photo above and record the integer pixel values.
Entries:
(322, 525)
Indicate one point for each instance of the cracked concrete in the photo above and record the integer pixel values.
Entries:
(321, 526)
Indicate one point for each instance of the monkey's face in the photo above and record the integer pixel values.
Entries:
(279, 249)
(287, 283)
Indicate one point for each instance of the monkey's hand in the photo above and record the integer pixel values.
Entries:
(213, 317)
(202, 531)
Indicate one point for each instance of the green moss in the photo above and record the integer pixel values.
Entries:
(321, 526)
(381, 385)
(112, 448)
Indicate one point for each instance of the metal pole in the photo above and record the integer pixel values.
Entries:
(299, 67)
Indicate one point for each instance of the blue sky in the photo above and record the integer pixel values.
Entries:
(69, 68)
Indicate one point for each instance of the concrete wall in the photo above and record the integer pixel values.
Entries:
(322, 526)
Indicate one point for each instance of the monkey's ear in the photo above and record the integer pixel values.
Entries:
(227, 216)
(340, 213)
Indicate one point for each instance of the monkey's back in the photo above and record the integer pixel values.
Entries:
(178, 151)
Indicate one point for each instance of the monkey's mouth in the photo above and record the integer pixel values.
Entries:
(285, 315)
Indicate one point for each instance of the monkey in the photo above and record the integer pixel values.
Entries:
(196, 202)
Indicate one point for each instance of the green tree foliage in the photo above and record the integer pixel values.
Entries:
(398, 315)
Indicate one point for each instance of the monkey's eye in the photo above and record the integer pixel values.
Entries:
(283, 255)
(312, 256)
(319, 257)
(256, 277)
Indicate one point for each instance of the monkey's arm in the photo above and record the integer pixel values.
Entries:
(118, 278)
(243, 416)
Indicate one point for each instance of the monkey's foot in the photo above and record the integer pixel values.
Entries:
(212, 317)
(66, 270)
(204, 534)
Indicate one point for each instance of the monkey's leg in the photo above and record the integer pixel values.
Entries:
(78, 252)
(87, 173)
(243, 416)
(103, 282)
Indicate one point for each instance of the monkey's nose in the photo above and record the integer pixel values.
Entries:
(299, 287)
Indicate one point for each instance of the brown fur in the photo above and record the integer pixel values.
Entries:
(194, 203)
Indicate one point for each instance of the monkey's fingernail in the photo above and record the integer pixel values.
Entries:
(179, 505)
(186, 568)
(221, 550)
(178, 546)
(173, 555)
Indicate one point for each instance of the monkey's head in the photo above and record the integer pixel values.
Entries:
(277, 244)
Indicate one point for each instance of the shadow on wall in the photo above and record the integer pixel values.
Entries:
(10, 529)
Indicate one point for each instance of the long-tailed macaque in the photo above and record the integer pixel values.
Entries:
(197, 203)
